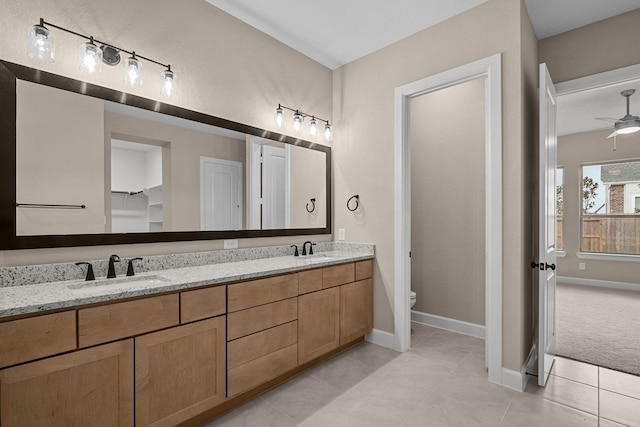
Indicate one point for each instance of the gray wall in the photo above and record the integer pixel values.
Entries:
(447, 138)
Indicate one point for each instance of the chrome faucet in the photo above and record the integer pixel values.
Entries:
(111, 273)
(304, 248)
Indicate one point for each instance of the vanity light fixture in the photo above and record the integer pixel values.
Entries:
(279, 116)
(298, 119)
(313, 126)
(41, 47)
(90, 57)
(133, 71)
(41, 43)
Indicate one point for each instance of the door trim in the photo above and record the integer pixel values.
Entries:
(490, 68)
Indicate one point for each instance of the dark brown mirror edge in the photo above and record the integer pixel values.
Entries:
(10, 72)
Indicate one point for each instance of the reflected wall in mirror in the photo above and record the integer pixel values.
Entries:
(139, 175)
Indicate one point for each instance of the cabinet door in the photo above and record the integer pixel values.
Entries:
(318, 323)
(180, 372)
(356, 310)
(92, 387)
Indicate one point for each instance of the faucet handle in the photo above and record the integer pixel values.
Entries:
(296, 251)
(90, 275)
(311, 248)
(130, 271)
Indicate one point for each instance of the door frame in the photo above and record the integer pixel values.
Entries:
(490, 69)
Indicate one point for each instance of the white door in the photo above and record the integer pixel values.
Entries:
(547, 228)
(275, 187)
(220, 194)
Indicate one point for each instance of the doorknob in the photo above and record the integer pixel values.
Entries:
(543, 266)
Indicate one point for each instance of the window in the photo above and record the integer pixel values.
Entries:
(559, 202)
(610, 200)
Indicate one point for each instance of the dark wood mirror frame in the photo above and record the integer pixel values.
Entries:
(10, 72)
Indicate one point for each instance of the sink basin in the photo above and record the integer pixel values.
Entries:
(315, 257)
(138, 280)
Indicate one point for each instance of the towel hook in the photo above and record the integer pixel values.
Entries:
(313, 206)
(357, 198)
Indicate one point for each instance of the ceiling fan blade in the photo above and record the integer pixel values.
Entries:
(613, 134)
(607, 119)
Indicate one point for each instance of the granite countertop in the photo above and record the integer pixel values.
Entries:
(17, 300)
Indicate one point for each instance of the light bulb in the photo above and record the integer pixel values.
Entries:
(168, 83)
(328, 135)
(279, 117)
(313, 126)
(297, 121)
(90, 57)
(40, 43)
(133, 71)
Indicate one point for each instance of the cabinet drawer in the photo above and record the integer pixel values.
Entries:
(309, 281)
(364, 269)
(338, 275)
(262, 291)
(202, 303)
(35, 337)
(126, 319)
(261, 370)
(260, 344)
(256, 319)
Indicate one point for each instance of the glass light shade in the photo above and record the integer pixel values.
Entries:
(279, 117)
(628, 129)
(328, 134)
(168, 83)
(90, 57)
(313, 127)
(41, 44)
(297, 121)
(132, 71)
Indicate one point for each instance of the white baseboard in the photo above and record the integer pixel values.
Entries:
(382, 338)
(454, 325)
(515, 380)
(599, 283)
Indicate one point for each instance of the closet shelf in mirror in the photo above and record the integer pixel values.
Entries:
(130, 193)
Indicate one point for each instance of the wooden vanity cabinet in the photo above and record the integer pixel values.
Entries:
(262, 331)
(338, 314)
(318, 323)
(180, 372)
(356, 314)
(91, 387)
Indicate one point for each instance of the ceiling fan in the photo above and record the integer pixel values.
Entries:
(627, 124)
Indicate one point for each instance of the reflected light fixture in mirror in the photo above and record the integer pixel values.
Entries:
(298, 119)
(41, 47)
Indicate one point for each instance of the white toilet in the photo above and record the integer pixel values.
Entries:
(412, 298)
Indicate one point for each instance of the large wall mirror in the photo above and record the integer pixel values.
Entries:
(85, 165)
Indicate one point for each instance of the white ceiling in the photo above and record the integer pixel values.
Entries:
(577, 112)
(336, 32)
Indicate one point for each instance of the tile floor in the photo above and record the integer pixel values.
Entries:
(440, 382)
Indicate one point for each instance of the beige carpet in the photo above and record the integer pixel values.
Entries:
(600, 326)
